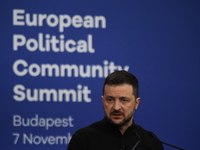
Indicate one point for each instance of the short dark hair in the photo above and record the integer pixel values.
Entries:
(121, 77)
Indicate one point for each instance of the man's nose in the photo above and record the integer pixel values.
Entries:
(116, 105)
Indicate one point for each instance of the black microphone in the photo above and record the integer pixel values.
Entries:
(154, 136)
(135, 132)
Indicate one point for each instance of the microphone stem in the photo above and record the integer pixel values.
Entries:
(171, 145)
(139, 139)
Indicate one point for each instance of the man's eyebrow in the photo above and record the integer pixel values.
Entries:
(109, 96)
(122, 97)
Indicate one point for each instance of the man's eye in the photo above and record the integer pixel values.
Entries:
(124, 100)
(109, 100)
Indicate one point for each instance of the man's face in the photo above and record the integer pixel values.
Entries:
(119, 103)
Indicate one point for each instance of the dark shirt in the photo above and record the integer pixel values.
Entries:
(103, 135)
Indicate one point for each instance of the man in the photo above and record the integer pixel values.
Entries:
(117, 131)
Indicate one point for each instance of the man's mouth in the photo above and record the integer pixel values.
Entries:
(116, 115)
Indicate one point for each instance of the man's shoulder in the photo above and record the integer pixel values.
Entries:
(140, 129)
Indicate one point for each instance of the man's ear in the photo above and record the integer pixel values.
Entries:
(137, 102)
(102, 99)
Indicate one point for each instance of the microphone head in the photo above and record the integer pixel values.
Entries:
(135, 132)
(153, 135)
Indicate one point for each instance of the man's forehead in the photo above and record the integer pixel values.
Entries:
(118, 86)
(122, 89)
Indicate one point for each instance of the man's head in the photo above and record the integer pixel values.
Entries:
(120, 97)
(122, 77)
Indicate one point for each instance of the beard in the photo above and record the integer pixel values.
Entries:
(122, 123)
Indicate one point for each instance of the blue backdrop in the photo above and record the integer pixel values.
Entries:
(55, 55)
